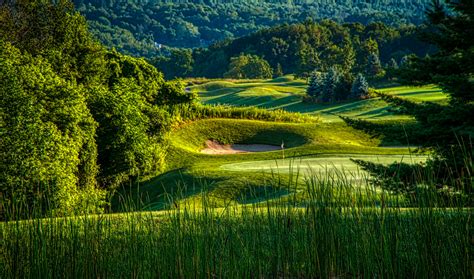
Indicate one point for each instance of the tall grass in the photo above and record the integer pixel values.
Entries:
(340, 230)
(190, 112)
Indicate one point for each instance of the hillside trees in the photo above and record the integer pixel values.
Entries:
(134, 27)
(299, 49)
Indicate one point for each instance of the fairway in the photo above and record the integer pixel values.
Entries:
(286, 93)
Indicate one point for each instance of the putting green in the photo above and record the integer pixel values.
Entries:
(339, 163)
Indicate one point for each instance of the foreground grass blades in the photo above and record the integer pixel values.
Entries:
(329, 236)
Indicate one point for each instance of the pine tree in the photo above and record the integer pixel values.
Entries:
(360, 88)
(331, 81)
(315, 85)
(374, 67)
(448, 129)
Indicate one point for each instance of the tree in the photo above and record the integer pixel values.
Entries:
(248, 66)
(315, 87)
(48, 138)
(278, 71)
(70, 105)
(331, 82)
(374, 67)
(360, 88)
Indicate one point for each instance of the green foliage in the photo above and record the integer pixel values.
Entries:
(48, 147)
(57, 33)
(188, 112)
(248, 67)
(76, 106)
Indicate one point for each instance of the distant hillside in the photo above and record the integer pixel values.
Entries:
(300, 48)
(142, 27)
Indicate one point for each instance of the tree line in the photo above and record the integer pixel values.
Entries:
(301, 48)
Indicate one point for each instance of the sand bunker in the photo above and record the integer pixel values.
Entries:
(216, 148)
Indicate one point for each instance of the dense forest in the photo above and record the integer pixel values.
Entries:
(301, 48)
(142, 28)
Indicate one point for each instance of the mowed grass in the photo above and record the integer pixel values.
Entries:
(322, 164)
(286, 93)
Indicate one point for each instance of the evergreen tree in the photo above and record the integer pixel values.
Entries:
(331, 81)
(315, 87)
(360, 88)
(374, 67)
(448, 129)
(278, 71)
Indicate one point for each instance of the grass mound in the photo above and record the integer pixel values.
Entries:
(193, 136)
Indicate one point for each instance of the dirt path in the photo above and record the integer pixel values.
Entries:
(215, 148)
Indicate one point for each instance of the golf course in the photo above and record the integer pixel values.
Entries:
(217, 153)
(236, 139)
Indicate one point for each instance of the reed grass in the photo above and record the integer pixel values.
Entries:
(191, 112)
(340, 230)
